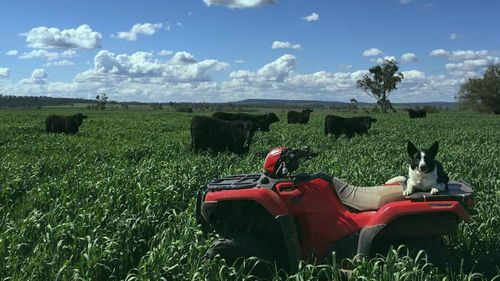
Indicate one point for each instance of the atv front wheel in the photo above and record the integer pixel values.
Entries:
(236, 247)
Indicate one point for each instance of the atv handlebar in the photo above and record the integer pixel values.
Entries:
(291, 157)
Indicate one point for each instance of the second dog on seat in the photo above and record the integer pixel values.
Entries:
(424, 172)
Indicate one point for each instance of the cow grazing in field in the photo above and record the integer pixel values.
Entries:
(219, 135)
(337, 125)
(64, 124)
(295, 117)
(262, 121)
(421, 113)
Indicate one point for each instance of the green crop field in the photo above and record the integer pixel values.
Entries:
(116, 201)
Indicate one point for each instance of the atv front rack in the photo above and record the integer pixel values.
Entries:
(234, 182)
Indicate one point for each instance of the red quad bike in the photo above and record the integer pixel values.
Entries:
(284, 218)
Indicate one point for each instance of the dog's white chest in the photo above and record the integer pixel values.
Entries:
(422, 181)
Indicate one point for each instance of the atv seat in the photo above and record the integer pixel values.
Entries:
(367, 198)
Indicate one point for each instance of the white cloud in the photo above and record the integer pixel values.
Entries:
(461, 54)
(147, 29)
(48, 55)
(455, 36)
(285, 45)
(40, 54)
(4, 72)
(83, 37)
(181, 68)
(413, 75)
(165, 53)
(372, 52)
(439, 53)
(275, 71)
(409, 57)
(60, 63)
(404, 2)
(239, 4)
(146, 77)
(38, 77)
(311, 17)
(472, 65)
(239, 61)
(346, 66)
(12, 53)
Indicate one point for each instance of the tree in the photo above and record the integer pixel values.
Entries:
(101, 101)
(482, 94)
(381, 81)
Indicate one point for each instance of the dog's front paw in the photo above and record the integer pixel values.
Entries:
(408, 191)
(434, 190)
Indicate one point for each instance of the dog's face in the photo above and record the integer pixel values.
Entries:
(422, 160)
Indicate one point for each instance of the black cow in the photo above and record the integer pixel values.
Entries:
(64, 124)
(421, 113)
(496, 111)
(220, 135)
(295, 117)
(337, 125)
(262, 121)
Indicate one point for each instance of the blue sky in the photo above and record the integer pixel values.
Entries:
(227, 50)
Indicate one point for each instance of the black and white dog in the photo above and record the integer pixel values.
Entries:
(424, 173)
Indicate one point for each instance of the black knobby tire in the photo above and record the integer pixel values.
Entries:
(234, 248)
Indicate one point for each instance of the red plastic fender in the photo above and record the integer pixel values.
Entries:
(265, 197)
(393, 210)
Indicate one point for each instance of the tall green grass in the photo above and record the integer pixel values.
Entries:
(116, 201)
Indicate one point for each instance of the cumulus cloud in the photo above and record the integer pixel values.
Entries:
(285, 45)
(346, 66)
(145, 76)
(455, 36)
(146, 29)
(40, 54)
(239, 4)
(38, 77)
(311, 17)
(461, 54)
(47, 55)
(239, 61)
(4, 72)
(183, 67)
(413, 75)
(60, 63)
(275, 71)
(404, 2)
(83, 37)
(165, 53)
(372, 52)
(409, 57)
(472, 65)
(439, 53)
(12, 53)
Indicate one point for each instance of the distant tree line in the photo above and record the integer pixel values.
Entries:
(37, 101)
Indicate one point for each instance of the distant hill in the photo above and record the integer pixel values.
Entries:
(36, 101)
(316, 103)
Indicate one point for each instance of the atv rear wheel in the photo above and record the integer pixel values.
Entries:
(236, 247)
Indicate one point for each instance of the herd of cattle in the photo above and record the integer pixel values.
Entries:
(234, 131)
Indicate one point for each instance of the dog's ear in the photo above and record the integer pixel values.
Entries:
(411, 148)
(434, 149)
